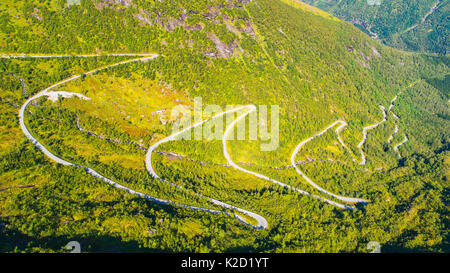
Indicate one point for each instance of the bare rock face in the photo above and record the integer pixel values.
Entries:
(125, 3)
(101, 4)
(238, 3)
(248, 29)
(225, 51)
(37, 14)
(170, 25)
(196, 27)
(144, 17)
(363, 59)
(174, 23)
(212, 14)
(231, 27)
(363, 63)
(375, 52)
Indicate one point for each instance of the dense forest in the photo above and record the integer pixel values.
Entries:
(421, 26)
(315, 67)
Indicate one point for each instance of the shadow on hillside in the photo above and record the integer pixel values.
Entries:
(16, 241)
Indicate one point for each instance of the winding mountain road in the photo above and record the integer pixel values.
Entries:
(365, 132)
(342, 124)
(391, 137)
(261, 221)
(250, 108)
(44, 56)
(396, 130)
(299, 146)
(432, 10)
(400, 144)
(237, 167)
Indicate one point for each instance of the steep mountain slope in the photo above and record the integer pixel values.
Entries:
(410, 25)
(315, 67)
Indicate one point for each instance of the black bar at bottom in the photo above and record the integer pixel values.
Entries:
(224, 262)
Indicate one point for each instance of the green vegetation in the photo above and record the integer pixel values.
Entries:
(410, 25)
(317, 68)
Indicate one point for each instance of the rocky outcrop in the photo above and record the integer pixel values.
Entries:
(174, 23)
(248, 29)
(213, 14)
(144, 17)
(224, 50)
(375, 52)
(37, 14)
(101, 4)
(126, 3)
(196, 27)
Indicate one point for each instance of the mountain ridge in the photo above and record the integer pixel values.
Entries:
(413, 26)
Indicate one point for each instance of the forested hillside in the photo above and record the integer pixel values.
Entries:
(409, 25)
(315, 67)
